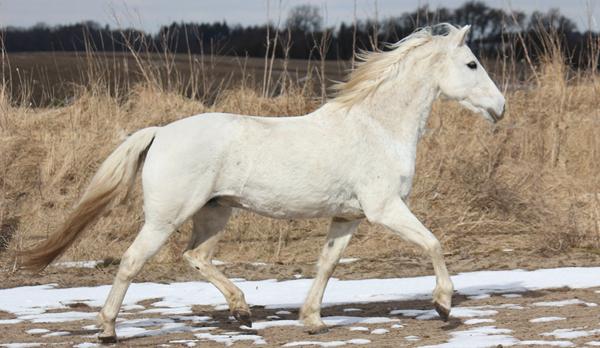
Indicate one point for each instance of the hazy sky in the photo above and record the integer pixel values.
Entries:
(151, 14)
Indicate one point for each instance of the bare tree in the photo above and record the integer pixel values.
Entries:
(306, 18)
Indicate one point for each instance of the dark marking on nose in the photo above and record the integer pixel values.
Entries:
(496, 117)
(330, 244)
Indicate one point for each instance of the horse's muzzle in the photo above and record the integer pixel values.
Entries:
(496, 116)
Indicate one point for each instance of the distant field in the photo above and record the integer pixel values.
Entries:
(49, 78)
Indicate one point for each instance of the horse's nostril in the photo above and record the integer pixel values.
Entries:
(501, 116)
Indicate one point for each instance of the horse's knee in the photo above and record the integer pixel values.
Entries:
(432, 246)
(129, 267)
(199, 261)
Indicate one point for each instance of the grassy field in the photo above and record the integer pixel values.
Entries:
(529, 184)
(52, 79)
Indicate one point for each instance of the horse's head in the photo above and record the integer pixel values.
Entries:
(462, 78)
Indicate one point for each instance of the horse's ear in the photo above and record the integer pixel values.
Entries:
(462, 34)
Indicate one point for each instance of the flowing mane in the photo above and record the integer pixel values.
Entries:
(374, 68)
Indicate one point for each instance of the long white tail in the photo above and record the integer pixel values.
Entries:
(118, 172)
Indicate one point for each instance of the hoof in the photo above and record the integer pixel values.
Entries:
(442, 311)
(103, 338)
(243, 317)
(318, 330)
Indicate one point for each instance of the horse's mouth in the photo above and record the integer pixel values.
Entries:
(493, 115)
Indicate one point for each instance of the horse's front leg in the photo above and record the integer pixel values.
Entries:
(395, 215)
(340, 232)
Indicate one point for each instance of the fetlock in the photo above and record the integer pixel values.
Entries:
(108, 334)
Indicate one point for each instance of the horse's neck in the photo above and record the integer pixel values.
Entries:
(401, 110)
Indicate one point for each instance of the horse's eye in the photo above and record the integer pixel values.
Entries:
(472, 65)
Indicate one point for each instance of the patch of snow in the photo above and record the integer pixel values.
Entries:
(228, 340)
(315, 343)
(512, 295)
(218, 262)
(478, 321)
(457, 312)
(507, 250)
(348, 260)
(59, 317)
(570, 333)
(357, 341)
(283, 312)
(10, 321)
(86, 345)
(478, 337)
(188, 343)
(258, 264)
(132, 307)
(500, 306)
(358, 328)
(136, 327)
(330, 321)
(57, 333)
(564, 303)
(397, 326)
(593, 343)
(298, 276)
(167, 310)
(130, 331)
(78, 264)
(352, 309)
(37, 331)
(221, 307)
(412, 338)
(479, 297)
(145, 322)
(273, 317)
(380, 331)
(545, 319)
(547, 343)
(19, 345)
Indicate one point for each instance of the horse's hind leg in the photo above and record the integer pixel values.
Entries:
(146, 244)
(340, 232)
(208, 223)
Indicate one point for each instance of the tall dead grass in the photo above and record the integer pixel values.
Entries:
(529, 182)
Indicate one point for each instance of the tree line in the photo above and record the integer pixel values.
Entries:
(303, 35)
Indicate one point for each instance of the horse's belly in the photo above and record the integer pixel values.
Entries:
(290, 207)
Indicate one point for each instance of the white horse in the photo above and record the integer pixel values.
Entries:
(353, 158)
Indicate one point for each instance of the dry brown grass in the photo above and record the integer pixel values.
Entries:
(531, 181)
